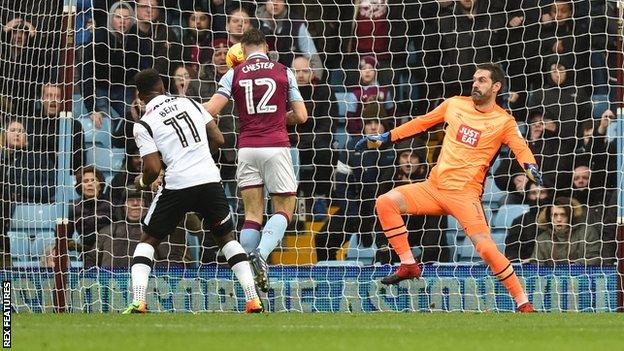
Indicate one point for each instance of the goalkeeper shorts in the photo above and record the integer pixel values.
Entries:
(425, 198)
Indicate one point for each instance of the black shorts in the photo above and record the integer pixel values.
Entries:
(170, 206)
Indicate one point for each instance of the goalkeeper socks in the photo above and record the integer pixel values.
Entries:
(141, 267)
(250, 235)
(502, 269)
(239, 263)
(394, 228)
(272, 233)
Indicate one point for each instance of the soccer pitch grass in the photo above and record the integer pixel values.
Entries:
(320, 331)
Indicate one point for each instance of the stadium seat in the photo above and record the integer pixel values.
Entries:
(342, 101)
(78, 107)
(93, 136)
(523, 128)
(465, 251)
(36, 217)
(194, 247)
(491, 193)
(105, 159)
(294, 154)
(30, 245)
(498, 235)
(20, 246)
(600, 104)
(451, 239)
(460, 245)
(357, 252)
(455, 228)
(507, 213)
(340, 137)
(495, 164)
(65, 190)
(336, 79)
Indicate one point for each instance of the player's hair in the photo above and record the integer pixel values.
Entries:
(147, 80)
(253, 36)
(496, 73)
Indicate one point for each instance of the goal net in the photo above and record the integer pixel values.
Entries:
(71, 217)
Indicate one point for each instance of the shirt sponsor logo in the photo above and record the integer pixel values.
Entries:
(468, 136)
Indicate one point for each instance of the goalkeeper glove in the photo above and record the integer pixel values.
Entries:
(533, 172)
(373, 141)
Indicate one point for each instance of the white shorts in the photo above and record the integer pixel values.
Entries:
(268, 166)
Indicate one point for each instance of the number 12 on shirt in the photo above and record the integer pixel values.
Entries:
(262, 106)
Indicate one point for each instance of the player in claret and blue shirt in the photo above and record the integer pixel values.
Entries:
(262, 91)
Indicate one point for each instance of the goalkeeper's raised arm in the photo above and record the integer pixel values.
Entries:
(405, 131)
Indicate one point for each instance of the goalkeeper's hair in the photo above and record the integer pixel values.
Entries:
(496, 73)
(253, 36)
(147, 81)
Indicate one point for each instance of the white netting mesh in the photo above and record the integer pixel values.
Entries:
(362, 67)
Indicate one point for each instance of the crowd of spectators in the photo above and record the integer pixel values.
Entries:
(361, 69)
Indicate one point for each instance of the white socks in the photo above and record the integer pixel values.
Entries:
(141, 267)
(238, 261)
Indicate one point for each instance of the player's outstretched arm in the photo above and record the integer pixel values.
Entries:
(298, 114)
(215, 137)
(214, 106)
(408, 130)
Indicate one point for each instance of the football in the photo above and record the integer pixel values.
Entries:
(234, 56)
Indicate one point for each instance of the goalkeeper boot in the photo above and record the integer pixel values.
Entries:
(136, 307)
(254, 306)
(405, 271)
(260, 269)
(526, 307)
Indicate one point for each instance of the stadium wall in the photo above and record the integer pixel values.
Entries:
(324, 289)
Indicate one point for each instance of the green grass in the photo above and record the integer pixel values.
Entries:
(294, 331)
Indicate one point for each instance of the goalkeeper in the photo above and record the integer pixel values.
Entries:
(475, 130)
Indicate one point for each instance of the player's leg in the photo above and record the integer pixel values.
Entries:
(212, 205)
(274, 229)
(415, 199)
(272, 234)
(239, 264)
(502, 269)
(253, 202)
(165, 212)
(142, 262)
(469, 213)
(281, 183)
(279, 180)
(251, 185)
